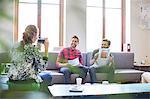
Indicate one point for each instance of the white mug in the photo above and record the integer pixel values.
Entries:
(78, 81)
(105, 82)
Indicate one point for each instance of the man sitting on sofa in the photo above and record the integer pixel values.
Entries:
(70, 61)
(102, 61)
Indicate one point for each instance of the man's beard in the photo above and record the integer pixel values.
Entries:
(104, 47)
(73, 46)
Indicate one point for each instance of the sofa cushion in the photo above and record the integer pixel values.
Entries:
(84, 59)
(127, 75)
(88, 58)
(126, 71)
(52, 60)
(123, 60)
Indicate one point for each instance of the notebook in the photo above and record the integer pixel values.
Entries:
(74, 62)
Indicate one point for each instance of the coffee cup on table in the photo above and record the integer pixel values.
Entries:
(78, 81)
(105, 82)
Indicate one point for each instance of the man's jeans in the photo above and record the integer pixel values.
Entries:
(67, 71)
(105, 69)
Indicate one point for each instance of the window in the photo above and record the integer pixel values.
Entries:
(45, 14)
(113, 23)
(94, 24)
(50, 22)
(104, 20)
(27, 15)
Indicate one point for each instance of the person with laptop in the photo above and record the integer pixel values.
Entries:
(70, 61)
(102, 61)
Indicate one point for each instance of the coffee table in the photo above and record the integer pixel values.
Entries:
(62, 90)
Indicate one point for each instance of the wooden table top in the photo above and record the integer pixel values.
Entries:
(144, 65)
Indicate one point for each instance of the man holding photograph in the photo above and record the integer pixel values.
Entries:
(102, 61)
(70, 61)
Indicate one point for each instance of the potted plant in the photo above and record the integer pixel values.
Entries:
(5, 18)
(4, 55)
(2, 68)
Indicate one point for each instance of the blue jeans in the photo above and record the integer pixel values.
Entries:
(46, 77)
(67, 73)
(105, 69)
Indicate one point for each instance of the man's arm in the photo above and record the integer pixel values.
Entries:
(61, 61)
(94, 56)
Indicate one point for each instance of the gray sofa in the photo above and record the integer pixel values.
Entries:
(124, 70)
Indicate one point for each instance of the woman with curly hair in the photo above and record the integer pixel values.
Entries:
(27, 61)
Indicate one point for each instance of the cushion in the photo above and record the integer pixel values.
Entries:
(88, 58)
(84, 59)
(52, 60)
(123, 60)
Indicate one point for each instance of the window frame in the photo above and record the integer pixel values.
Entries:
(61, 20)
(123, 22)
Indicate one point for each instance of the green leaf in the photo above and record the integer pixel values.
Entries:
(2, 67)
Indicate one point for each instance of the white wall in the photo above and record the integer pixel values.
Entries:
(76, 22)
(140, 42)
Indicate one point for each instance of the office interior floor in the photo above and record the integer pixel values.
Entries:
(7, 93)
(44, 93)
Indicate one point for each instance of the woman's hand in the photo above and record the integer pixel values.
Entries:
(46, 44)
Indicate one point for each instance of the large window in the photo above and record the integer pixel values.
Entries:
(50, 22)
(45, 14)
(94, 24)
(27, 15)
(113, 21)
(104, 20)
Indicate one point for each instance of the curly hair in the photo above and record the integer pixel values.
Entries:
(29, 33)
